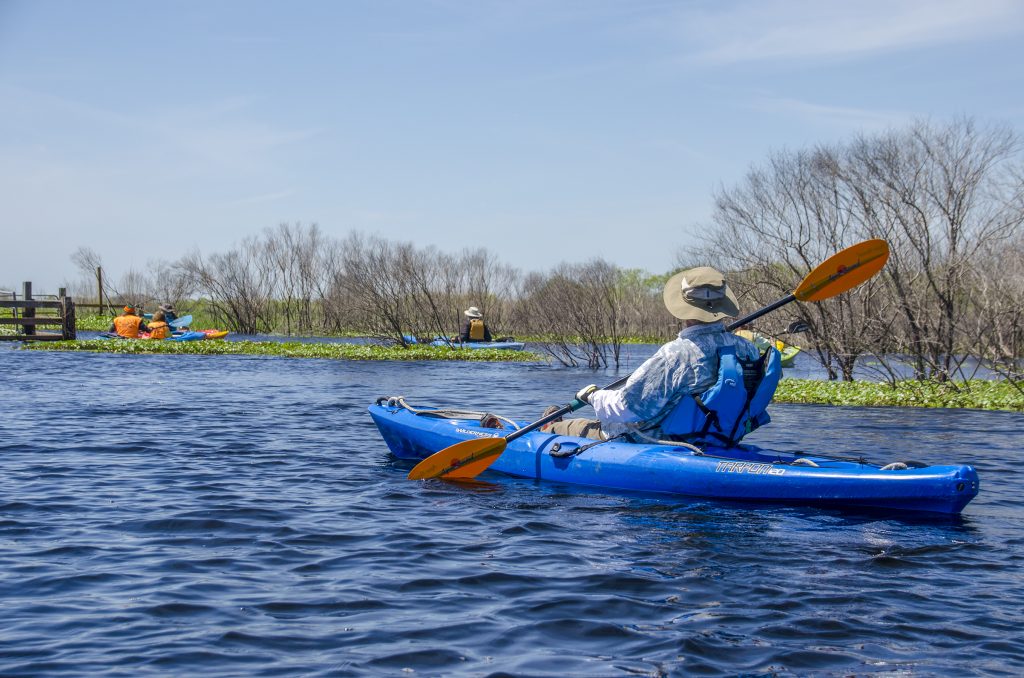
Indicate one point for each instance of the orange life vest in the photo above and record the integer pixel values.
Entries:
(159, 330)
(127, 326)
(476, 329)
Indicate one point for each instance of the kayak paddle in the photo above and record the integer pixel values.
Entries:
(841, 272)
(183, 321)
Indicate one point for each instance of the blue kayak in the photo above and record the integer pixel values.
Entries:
(187, 336)
(745, 472)
(508, 345)
(178, 336)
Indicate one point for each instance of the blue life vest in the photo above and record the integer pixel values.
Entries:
(733, 407)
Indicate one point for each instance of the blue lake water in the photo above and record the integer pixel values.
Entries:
(240, 516)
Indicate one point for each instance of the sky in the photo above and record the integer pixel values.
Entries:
(545, 131)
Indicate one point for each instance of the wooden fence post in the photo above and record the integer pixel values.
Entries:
(67, 314)
(29, 312)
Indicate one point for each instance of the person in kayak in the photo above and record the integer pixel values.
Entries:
(158, 327)
(128, 324)
(170, 315)
(687, 366)
(473, 327)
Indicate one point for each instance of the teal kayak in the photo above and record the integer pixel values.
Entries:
(745, 472)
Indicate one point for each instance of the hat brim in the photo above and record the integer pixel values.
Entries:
(707, 311)
(473, 315)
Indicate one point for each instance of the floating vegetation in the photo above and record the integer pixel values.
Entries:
(978, 394)
(97, 323)
(330, 351)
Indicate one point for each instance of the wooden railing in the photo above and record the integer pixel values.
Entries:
(31, 313)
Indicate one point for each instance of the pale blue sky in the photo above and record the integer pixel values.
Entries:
(545, 131)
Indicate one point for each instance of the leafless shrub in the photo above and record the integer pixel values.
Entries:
(942, 196)
(239, 286)
(577, 311)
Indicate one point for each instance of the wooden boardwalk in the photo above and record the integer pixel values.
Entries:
(29, 315)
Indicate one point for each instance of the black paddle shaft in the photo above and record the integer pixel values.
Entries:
(736, 324)
(566, 409)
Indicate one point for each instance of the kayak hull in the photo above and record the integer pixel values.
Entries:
(746, 473)
(177, 336)
(188, 336)
(507, 345)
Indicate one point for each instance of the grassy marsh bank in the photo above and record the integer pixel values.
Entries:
(286, 350)
(978, 394)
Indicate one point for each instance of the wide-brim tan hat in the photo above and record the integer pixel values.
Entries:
(473, 312)
(700, 294)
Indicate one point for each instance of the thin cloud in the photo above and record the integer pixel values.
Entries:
(221, 132)
(784, 29)
(259, 199)
(841, 116)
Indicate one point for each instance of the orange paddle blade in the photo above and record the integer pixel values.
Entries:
(472, 469)
(843, 270)
(470, 457)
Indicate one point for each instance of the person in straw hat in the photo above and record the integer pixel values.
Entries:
(687, 365)
(473, 326)
(170, 314)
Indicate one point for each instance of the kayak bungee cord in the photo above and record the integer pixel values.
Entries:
(440, 413)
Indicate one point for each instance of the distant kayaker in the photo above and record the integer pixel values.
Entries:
(128, 324)
(687, 366)
(473, 326)
(158, 327)
(170, 315)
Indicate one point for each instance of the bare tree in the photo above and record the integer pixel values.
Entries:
(239, 286)
(577, 312)
(779, 224)
(940, 195)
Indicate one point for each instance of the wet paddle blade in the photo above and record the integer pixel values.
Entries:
(472, 469)
(843, 271)
(461, 460)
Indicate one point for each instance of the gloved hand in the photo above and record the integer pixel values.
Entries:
(583, 397)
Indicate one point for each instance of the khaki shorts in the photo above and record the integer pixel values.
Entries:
(581, 428)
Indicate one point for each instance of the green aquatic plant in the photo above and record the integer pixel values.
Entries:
(980, 394)
(294, 349)
(95, 323)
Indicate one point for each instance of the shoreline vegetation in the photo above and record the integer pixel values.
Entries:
(945, 196)
(286, 349)
(978, 394)
(100, 323)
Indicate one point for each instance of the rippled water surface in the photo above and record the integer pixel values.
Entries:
(161, 515)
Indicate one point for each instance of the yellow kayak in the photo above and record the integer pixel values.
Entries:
(762, 342)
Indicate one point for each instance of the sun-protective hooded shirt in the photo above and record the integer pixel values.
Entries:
(685, 365)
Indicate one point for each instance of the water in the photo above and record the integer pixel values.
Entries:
(804, 366)
(240, 516)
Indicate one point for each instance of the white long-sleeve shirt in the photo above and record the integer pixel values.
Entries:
(687, 364)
